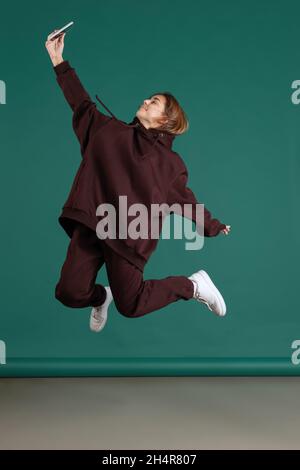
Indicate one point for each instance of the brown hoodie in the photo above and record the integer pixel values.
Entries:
(120, 159)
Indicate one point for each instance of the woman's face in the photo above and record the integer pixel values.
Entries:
(151, 110)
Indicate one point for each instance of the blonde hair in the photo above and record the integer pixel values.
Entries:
(177, 119)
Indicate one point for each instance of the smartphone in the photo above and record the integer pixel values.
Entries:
(60, 31)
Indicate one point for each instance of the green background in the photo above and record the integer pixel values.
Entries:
(231, 65)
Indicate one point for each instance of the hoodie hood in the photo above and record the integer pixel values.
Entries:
(155, 136)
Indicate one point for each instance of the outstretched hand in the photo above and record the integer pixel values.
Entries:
(226, 230)
(55, 48)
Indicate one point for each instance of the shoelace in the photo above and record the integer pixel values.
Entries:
(198, 297)
(97, 314)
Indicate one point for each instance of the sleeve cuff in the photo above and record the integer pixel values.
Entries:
(221, 227)
(62, 67)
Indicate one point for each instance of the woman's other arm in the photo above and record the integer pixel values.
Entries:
(181, 194)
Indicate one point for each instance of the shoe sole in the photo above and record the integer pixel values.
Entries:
(218, 294)
(96, 329)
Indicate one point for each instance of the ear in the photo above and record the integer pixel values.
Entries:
(163, 120)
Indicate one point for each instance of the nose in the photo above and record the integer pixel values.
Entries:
(146, 102)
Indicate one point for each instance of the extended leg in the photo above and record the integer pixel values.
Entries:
(134, 296)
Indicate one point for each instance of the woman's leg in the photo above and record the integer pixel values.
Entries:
(134, 296)
(76, 287)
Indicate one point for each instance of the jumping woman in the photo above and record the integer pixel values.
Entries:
(135, 160)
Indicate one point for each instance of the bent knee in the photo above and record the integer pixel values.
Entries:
(125, 309)
(66, 295)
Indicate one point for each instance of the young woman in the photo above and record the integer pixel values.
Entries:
(135, 160)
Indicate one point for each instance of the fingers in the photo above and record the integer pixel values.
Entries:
(61, 39)
(226, 230)
(48, 37)
(56, 44)
(55, 39)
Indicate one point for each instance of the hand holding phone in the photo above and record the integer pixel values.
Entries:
(58, 32)
(55, 43)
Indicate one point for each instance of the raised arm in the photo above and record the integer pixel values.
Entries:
(86, 119)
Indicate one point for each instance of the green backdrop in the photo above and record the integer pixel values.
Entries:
(231, 64)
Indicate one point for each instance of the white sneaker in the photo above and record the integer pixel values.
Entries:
(205, 291)
(98, 315)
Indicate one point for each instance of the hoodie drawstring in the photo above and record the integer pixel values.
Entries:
(105, 107)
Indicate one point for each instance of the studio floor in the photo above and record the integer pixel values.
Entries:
(150, 413)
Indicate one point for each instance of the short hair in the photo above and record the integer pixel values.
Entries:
(177, 119)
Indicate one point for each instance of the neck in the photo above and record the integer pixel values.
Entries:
(145, 123)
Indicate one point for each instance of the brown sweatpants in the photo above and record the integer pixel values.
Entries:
(133, 296)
